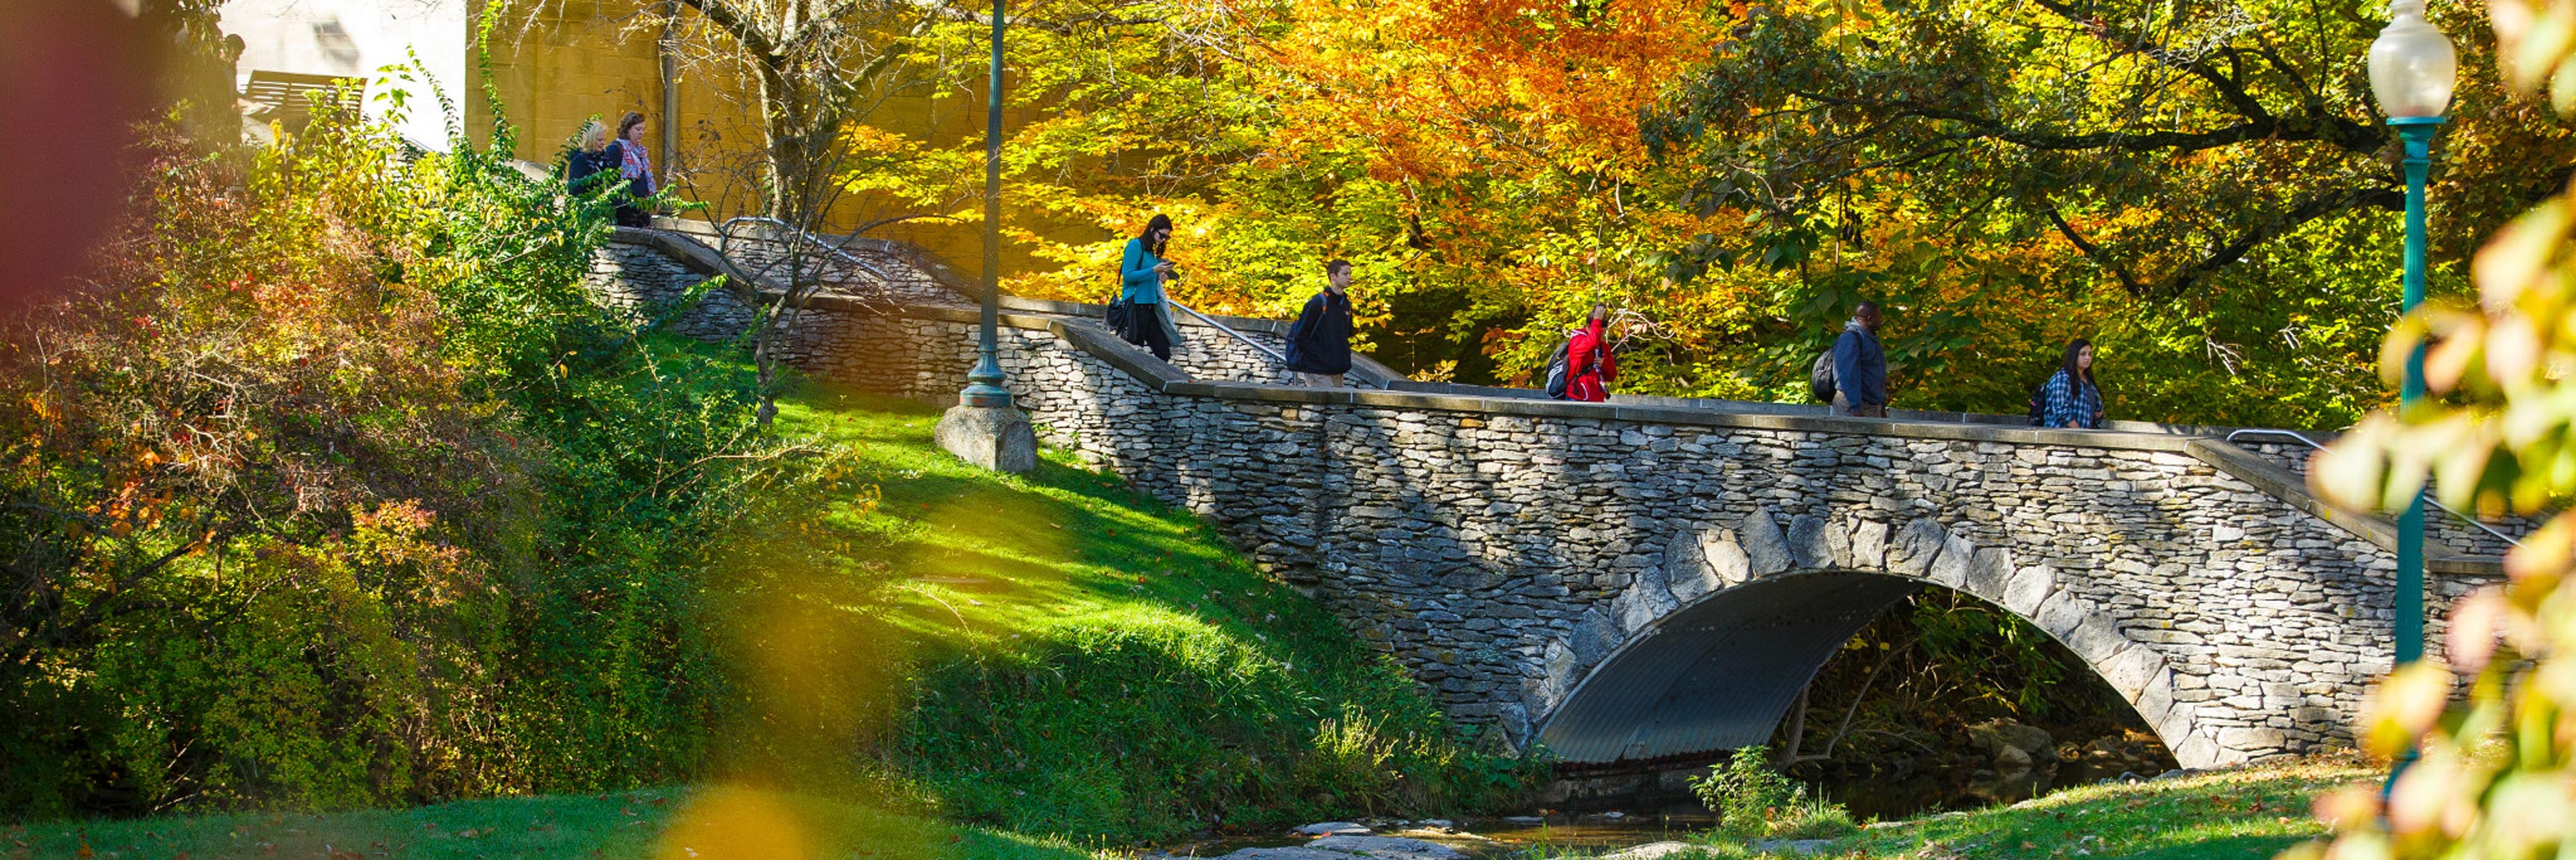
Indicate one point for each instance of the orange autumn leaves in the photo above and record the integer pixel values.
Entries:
(1448, 90)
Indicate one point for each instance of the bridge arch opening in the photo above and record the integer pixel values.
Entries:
(1723, 671)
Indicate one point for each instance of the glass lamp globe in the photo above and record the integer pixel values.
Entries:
(2411, 64)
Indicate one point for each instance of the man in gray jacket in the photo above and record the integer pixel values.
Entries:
(1860, 367)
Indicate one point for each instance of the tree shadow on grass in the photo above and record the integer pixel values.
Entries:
(2223, 848)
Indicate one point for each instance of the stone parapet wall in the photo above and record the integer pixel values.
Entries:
(2449, 534)
(1515, 553)
(646, 272)
(647, 285)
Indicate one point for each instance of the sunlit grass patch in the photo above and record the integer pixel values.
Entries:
(1093, 662)
(705, 823)
(952, 663)
(2249, 812)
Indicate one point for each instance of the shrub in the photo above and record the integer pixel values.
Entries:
(1752, 799)
(326, 446)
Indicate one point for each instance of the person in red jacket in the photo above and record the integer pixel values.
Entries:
(1588, 362)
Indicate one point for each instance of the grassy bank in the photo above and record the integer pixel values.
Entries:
(944, 662)
(1087, 661)
(712, 824)
(2250, 812)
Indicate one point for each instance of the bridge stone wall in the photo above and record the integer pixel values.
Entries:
(1515, 553)
(645, 275)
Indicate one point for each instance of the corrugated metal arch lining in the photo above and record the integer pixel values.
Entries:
(1719, 673)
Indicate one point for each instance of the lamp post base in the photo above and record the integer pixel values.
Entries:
(991, 437)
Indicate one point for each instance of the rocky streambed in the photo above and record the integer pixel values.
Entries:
(1986, 764)
(1435, 839)
(1623, 838)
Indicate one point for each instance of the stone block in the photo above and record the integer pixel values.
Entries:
(1989, 570)
(2198, 752)
(1595, 636)
(1642, 602)
(1808, 547)
(1686, 568)
(1950, 566)
(2029, 586)
(996, 438)
(2131, 669)
(2155, 699)
(1764, 546)
(2252, 741)
(1869, 545)
(1838, 546)
(1914, 548)
(1515, 722)
(2176, 723)
(1727, 559)
(2092, 636)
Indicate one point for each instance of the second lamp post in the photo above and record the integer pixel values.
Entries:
(2412, 70)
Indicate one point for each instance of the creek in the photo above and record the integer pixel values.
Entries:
(1869, 798)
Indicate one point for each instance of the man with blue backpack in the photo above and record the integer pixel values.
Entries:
(1860, 366)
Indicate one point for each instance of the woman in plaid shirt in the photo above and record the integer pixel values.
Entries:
(2071, 398)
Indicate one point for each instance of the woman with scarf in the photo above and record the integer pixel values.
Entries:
(635, 165)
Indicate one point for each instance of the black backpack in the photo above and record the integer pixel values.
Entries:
(1560, 369)
(1820, 378)
(2039, 402)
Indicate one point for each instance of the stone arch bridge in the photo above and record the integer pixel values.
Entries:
(1655, 577)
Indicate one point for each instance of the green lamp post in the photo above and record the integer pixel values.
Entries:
(984, 383)
(985, 428)
(2412, 69)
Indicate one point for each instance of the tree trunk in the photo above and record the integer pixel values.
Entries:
(1797, 729)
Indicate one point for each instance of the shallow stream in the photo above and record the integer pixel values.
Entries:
(1868, 799)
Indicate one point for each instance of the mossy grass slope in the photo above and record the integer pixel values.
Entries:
(1047, 664)
(1091, 662)
(2249, 812)
(697, 823)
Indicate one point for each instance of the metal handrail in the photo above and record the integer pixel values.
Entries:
(2426, 494)
(724, 235)
(1265, 348)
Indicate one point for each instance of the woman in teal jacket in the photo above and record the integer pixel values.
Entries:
(1140, 275)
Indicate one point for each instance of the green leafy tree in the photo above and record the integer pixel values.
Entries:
(2201, 187)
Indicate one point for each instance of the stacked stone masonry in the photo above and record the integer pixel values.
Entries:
(1503, 550)
(2445, 529)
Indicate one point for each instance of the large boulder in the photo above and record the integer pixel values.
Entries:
(1388, 848)
(1656, 851)
(1996, 736)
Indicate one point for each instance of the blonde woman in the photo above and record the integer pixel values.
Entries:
(584, 163)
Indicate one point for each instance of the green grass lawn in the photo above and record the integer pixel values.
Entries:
(977, 560)
(2251, 812)
(944, 658)
(685, 823)
(1092, 662)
